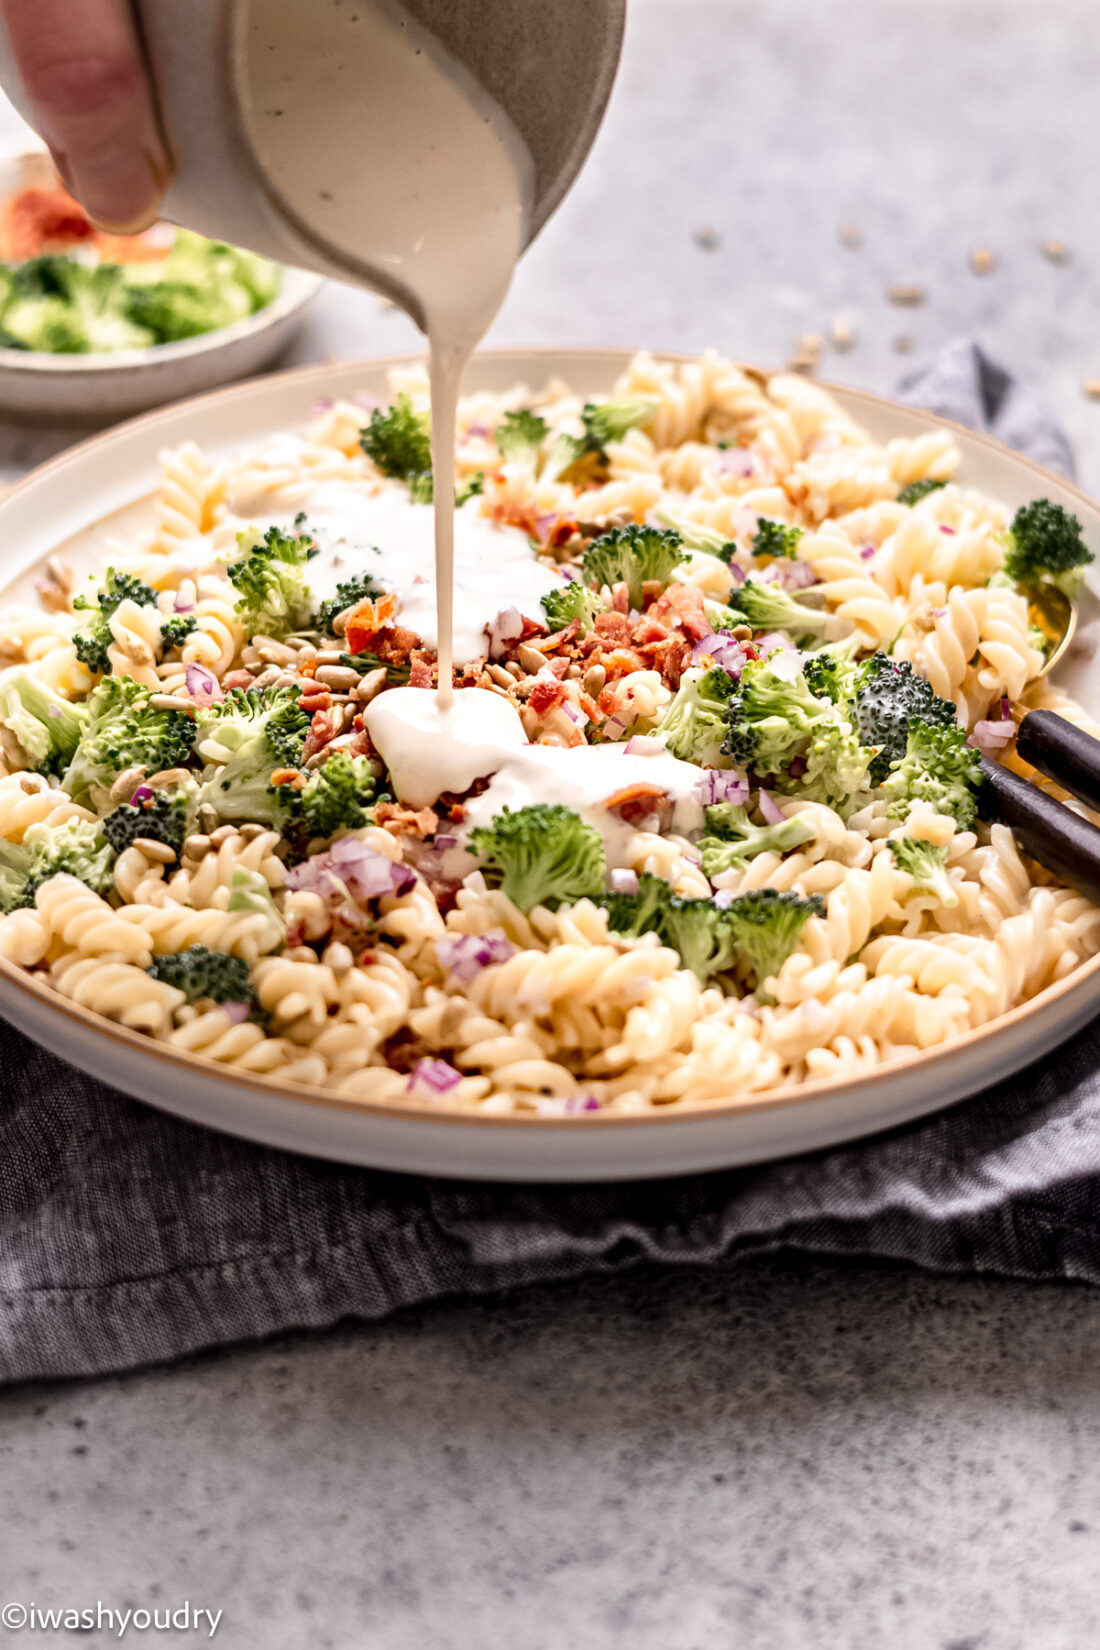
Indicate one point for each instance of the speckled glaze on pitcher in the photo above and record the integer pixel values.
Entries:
(549, 66)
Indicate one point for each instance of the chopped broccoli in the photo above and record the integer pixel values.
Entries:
(175, 629)
(886, 696)
(1045, 546)
(123, 731)
(335, 798)
(249, 891)
(399, 441)
(634, 556)
(573, 601)
(246, 737)
(940, 768)
(731, 839)
(778, 726)
(601, 421)
(697, 928)
(470, 488)
(46, 726)
(831, 675)
(61, 305)
(916, 490)
(364, 663)
(696, 537)
(75, 849)
(205, 975)
(775, 538)
(161, 817)
(273, 594)
(543, 855)
(926, 864)
(519, 437)
(769, 607)
(765, 926)
(694, 725)
(93, 640)
(169, 310)
(349, 591)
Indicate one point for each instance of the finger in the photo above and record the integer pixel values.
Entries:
(90, 97)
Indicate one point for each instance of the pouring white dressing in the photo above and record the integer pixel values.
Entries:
(388, 151)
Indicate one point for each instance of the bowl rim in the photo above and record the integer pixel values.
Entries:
(258, 1086)
(299, 287)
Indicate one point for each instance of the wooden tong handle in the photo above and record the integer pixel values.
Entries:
(1063, 753)
(1046, 829)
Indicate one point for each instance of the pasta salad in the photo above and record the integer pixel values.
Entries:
(704, 824)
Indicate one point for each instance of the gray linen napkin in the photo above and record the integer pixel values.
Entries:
(127, 1237)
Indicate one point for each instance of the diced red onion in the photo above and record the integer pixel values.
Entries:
(463, 956)
(724, 897)
(737, 574)
(722, 785)
(144, 793)
(363, 398)
(350, 868)
(736, 461)
(580, 1102)
(773, 639)
(574, 714)
(624, 882)
(434, 1075)
(180, 606)
(945, 529)
(939, 612)
(445, 842)
(867, 552)
(236, 1013)
(1006, 707)
(725, 650)
(203, 685)
(797, 767)
(794, 575)
(642, 744)
(616, 726)
(479, 428)
(772, 814)
(324, 404)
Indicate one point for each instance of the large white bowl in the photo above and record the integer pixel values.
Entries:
(103, 488)
(100, 388)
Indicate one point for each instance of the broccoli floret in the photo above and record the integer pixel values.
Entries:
(926, 864)
(335, 798)
(399, 440)
(161, 817)
(775, 538)
(470, 488)
(940, 768)
(831, 675)
(917, 490)
(769, 607)
(543, 855)
(731, 838)
(573, 601)
(170, 311)
(47, 727)
(75, 849)
(246, 737)
(202, 974)
(602, 421)
(634, 556)
(779, 726)
(349, 591)
(698, 538)
(765, 926)
(694, 725)
(1045, 546)
(886, 696)
(93, 639)
(519, 437)
(273, 595)
(175, 629)
(123, 731)
(697, 928)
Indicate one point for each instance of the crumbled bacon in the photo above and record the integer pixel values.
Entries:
(562, 638)
(402, 821)
(324, 726)
(682, 604)
(649, 630)
(641, 805)
(237, 679)
(290, 777)
(315, 698)
(621, 661)
(420, 672)
(366, 619)
(613, 628)
(546, 696)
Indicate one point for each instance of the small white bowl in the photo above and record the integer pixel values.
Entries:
(96, 389)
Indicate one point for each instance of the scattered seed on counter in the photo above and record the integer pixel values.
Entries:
(1091, 387)
(902, 344)
(906, 296)
(1055, 252)
(982, 261)
(851, 236)
(842, 335)
(708, 239)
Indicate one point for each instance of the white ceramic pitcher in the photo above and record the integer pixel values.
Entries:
(548, 63)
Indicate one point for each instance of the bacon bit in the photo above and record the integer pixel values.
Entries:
(420, 673)
(366, 619)
(589, 706)
(620, 599)
(648, 630)
(613, 628)
(360, 743)
(620, 662)
(638, 802)
(671, 659)
(312, 703)
(323, 727)
(34, 220)
(532, 627)
(560, 638)
(558, 666)
(402, 821)
(237, 679)
(309, 668)
(682, 604)
(545, 697)
(289, 776)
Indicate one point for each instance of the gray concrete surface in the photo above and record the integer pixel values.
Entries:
(780, 1457)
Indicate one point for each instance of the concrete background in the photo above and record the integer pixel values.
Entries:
(779, 1456)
